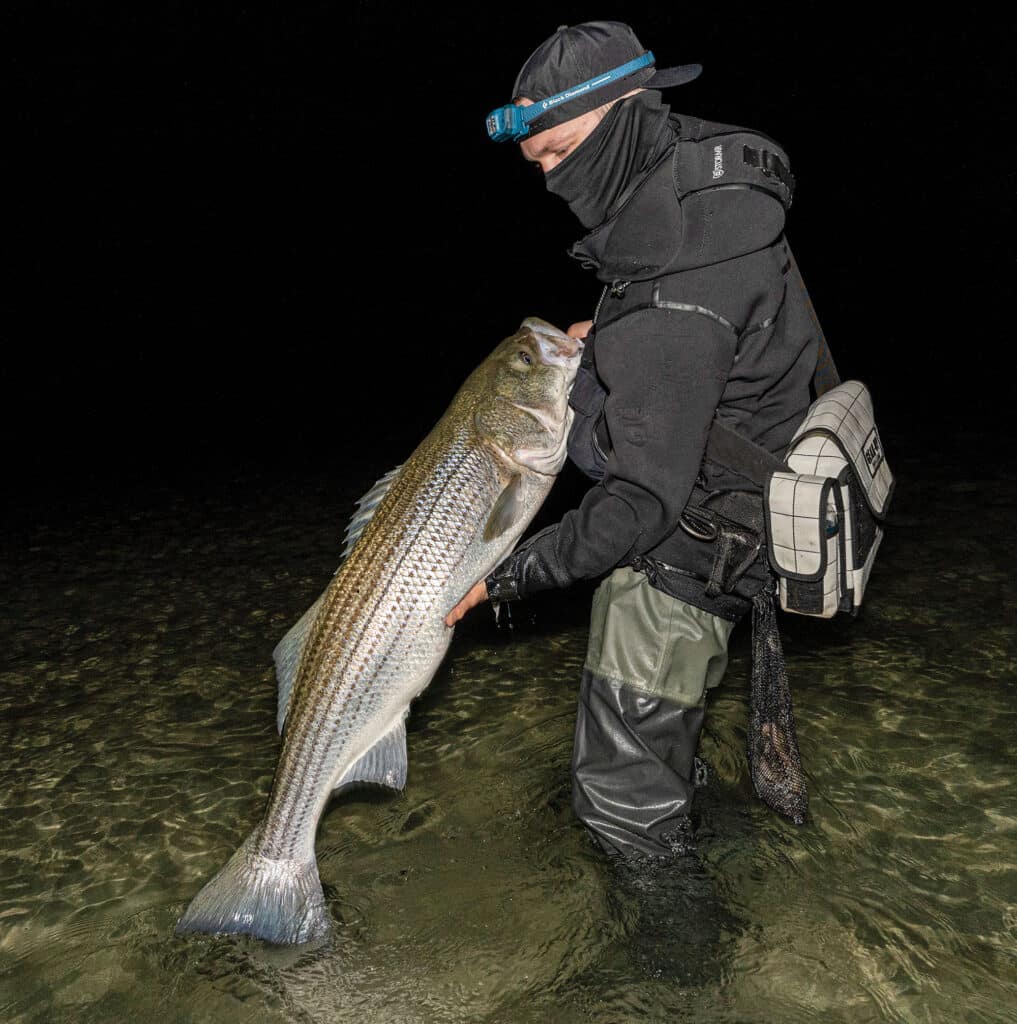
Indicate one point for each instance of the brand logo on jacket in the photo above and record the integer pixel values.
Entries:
(873, 452)
(718, 162)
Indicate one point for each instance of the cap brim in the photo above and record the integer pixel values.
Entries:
(666, 78)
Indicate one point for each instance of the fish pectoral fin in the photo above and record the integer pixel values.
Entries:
(287, 656)
(384, 763)
(507, 509)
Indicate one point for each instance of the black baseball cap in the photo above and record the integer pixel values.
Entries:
(577, 53)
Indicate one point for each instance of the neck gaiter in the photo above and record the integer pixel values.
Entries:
(627, 142)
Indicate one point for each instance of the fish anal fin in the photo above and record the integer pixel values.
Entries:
(507, 509)
(384, 763)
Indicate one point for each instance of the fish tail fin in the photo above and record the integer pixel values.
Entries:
(280, 901)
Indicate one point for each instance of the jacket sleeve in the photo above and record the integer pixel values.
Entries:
(665, 372)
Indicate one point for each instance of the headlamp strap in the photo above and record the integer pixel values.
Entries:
(534, 111)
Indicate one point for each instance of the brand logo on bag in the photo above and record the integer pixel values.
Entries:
(718, 162)
(873, 452)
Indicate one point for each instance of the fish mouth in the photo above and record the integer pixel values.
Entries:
(556, 347)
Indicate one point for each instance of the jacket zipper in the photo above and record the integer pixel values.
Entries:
(600, 302)
(617, 290)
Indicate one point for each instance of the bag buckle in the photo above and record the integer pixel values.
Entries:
(699, 523)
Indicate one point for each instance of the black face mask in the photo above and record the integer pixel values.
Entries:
(627, 142)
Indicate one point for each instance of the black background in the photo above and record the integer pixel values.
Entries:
(276, 236)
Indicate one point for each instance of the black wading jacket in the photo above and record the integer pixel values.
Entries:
(701, 316)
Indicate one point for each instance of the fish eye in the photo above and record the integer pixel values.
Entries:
(525, 357)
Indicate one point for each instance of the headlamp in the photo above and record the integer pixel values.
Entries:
(512, 123)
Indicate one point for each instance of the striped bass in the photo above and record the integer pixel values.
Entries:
(349, 668)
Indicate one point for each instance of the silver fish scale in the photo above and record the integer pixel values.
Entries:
(380, 634)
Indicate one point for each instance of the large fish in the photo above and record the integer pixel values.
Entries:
(348, 670)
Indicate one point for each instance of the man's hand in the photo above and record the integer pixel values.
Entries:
(478, 593)
(580, 330)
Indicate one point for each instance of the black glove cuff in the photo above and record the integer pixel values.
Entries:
(502, 584)
(530, 568)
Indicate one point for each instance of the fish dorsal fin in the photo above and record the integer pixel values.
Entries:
(287, 656)
(365, 510)
(289, 650)
(384, 763)
(506, 509)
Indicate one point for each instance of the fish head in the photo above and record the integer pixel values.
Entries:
(522, 398)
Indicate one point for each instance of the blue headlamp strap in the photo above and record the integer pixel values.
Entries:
(512, 122)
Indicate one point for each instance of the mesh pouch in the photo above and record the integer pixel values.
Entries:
(823, 519)
(775, 764)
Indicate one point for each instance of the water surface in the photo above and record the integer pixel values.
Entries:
(138, 717)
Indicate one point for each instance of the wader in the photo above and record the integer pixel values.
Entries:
(650, 660)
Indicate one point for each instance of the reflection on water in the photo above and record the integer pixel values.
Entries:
(138, 713)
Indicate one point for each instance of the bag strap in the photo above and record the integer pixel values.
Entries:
(734, 450)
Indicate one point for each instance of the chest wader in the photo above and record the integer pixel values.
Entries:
(650, 659)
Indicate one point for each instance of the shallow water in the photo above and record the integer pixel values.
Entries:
(138, 717)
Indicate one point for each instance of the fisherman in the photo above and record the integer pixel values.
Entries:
(702, 316)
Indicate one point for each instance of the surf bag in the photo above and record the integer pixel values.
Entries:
(825, 503)
(824, 514)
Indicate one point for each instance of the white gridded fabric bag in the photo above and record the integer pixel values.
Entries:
(824, 518)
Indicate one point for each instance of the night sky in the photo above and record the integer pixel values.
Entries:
(265, 236)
